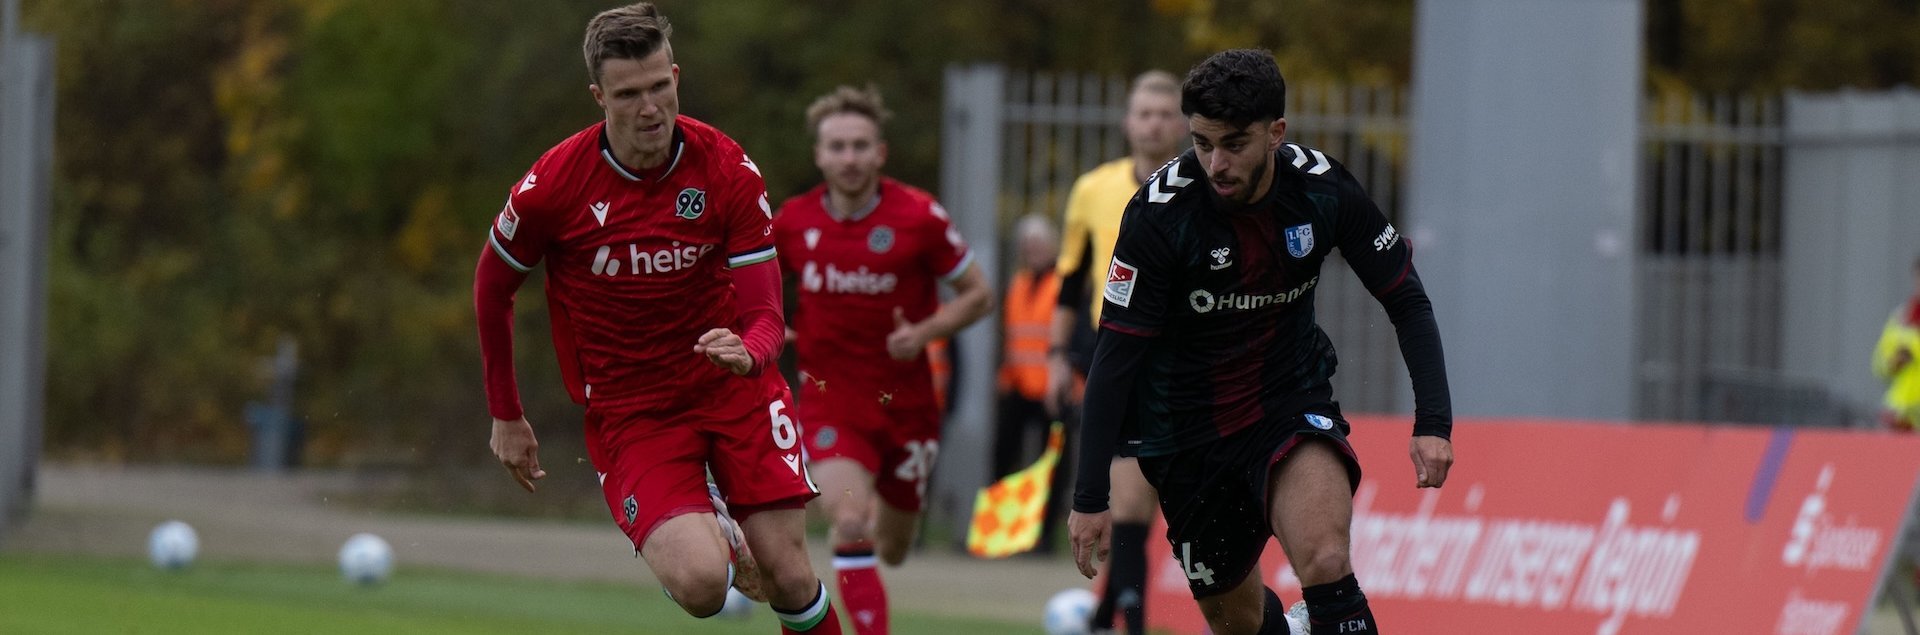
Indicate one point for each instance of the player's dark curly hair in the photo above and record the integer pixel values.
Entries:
(626, 33)
(1236, 87)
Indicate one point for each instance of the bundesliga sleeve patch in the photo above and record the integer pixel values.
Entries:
(1120, 282)
(508, 221)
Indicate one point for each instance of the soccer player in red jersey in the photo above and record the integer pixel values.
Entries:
(665, 300)
(869, 253)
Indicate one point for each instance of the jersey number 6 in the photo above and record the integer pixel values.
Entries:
(784, 434)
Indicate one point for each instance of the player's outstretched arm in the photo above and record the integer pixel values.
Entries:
(1117, 358)
(494, 283)
(762, 329)
(972, 300)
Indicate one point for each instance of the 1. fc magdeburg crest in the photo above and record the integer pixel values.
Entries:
(1300, 240)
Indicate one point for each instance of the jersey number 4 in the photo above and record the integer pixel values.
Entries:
(1195, 570)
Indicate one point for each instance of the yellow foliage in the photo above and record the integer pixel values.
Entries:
(429, 224)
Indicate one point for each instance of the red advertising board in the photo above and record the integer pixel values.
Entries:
(1563, 527)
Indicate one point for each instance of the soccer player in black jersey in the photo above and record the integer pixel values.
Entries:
(1209, 362)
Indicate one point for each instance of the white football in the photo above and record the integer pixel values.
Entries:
(1069, 611)
(172, 545)
(366, 560)
(738, 606)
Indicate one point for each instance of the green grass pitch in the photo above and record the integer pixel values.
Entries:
(73, 595)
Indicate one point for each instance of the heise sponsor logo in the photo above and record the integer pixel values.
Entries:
(673, 258)
(834, 280)
(1204, 301)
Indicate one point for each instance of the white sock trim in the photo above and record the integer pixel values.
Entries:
(855, 562)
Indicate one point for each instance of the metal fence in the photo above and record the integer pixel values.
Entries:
(1708, 270)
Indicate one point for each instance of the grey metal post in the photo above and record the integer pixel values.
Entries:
(26, 149)
(9, 21)
(970, 188)
(1521, 205)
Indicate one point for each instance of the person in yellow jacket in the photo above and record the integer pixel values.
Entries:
(1893, 361)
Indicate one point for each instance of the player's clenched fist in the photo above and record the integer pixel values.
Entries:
(906, 342)
(726, 350)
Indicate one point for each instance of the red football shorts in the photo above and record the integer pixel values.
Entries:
(653, 464)
(895, 440)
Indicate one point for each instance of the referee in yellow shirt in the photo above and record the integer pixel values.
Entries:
(1155, 130)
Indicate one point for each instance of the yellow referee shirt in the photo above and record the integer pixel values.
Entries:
(1903, 386)
(1094, 207)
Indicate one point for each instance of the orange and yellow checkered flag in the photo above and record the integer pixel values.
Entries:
(1007, 515)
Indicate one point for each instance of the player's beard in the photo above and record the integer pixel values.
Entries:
(1243, 195)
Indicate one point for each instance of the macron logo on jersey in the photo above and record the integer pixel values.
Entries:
(1120, 282)
(675, 258)
(529, 183)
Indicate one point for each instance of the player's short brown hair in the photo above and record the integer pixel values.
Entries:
(628, 33)
(1155, 81)
(865, 102)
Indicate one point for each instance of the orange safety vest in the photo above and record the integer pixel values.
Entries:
(941, 363)
(1028, 315)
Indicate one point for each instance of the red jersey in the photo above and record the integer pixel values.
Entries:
(639, 261)
(853, 274)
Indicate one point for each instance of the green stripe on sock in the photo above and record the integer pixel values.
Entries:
(808, 617)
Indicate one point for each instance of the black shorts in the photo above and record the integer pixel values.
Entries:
(1214, 496)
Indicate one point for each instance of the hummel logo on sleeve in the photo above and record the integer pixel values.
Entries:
(1310, 160)
(1170, 176)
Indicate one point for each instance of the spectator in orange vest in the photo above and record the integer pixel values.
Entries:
(1032, 293)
